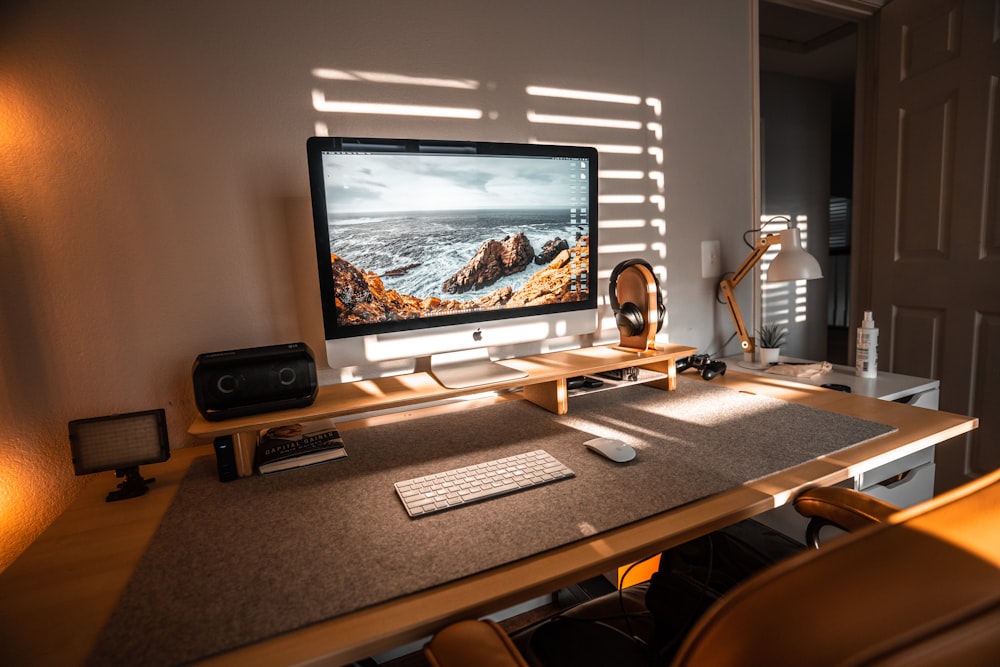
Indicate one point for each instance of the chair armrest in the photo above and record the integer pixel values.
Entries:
(480, 643)
(846, 509)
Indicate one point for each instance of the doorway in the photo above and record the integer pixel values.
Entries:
(808, 65)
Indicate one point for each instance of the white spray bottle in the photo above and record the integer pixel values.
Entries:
(866, 354)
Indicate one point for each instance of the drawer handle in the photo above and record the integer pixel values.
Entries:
(898, 479)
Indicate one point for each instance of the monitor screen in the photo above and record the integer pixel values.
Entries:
(413, 236)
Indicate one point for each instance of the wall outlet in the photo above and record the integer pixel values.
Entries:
(711, 260)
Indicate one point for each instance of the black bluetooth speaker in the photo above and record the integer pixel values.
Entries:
(235, 383)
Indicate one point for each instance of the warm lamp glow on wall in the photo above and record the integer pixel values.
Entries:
(791, 263)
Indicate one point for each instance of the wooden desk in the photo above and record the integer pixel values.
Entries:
(55, 599)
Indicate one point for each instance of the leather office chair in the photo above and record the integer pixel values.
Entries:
(919, 586)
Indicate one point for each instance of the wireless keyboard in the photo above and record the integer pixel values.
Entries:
(444, 490)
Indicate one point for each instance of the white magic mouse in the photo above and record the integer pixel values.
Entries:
(616, 450)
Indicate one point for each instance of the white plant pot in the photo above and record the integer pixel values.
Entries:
(769, 355)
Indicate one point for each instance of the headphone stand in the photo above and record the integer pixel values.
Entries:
(637, 285)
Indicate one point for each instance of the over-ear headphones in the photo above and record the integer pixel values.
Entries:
(628, 316)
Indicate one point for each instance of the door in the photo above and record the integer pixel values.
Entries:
(935, 215)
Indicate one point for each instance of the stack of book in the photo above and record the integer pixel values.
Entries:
(297, 445)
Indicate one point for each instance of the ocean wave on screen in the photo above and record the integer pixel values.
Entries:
(435, 245)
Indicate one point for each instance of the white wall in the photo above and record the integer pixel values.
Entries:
(154, 190)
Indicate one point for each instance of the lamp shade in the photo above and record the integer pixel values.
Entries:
(792, 261)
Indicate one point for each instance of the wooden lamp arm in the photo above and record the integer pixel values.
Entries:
(727, 285)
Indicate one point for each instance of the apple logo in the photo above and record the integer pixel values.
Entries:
(477, 335)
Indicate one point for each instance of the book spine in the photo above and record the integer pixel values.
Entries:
(275, 449)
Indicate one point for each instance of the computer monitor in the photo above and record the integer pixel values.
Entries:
(440, 250)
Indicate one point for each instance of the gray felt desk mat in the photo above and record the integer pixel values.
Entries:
(234, 563)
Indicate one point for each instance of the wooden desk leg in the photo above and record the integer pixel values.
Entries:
(244, 447)
(668, 368)
(553, 396)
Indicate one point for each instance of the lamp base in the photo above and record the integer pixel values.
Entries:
(753, 365)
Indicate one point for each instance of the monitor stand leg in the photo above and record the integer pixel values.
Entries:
(470, 368)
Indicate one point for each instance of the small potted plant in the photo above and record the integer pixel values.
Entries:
(770, 338)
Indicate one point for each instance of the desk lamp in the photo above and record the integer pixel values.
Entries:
(791, 263)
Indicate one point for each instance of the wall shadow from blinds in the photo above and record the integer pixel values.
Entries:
(783, 303)
(626, 128)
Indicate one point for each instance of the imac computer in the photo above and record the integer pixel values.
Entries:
(439, 250)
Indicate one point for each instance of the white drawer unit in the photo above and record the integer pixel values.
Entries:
(906, 481)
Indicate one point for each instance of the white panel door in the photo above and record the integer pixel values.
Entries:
(936, 212)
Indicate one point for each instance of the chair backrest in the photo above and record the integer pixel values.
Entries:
(922, 589)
